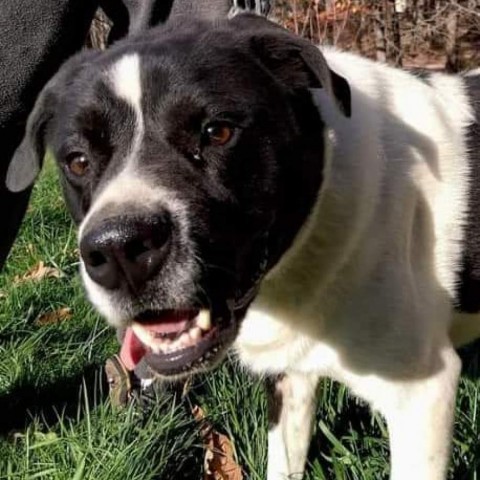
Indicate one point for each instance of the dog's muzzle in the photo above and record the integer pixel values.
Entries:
(126, 255)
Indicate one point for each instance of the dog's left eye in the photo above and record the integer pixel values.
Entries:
(218, 134)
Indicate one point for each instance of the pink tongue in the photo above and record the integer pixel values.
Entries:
(132, 350)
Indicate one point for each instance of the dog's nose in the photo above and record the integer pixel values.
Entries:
(126, 250)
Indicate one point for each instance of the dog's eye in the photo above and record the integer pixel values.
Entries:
(218, 134)
(78, 164)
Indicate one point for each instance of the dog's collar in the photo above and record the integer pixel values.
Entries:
(242, 301)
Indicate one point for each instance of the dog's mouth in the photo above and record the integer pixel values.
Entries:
(174, 342)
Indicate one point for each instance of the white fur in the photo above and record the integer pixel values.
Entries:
(125, 77)
(364, 294)
(126, 80)
(288, 441)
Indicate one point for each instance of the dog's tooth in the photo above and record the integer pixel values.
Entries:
(174, 345)
(184, 340)
(142, 334)
(164, 345)
(195, 334)
(204, 320)
(180, 342)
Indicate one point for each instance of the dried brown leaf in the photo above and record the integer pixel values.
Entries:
(37, 273)
(55, 316)
(219, 462)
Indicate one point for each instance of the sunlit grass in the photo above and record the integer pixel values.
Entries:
(56, 423)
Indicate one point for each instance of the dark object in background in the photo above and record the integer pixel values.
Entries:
(35, 38)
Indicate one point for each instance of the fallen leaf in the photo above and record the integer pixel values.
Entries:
(56, 316)
(37, 273)
(219, 462)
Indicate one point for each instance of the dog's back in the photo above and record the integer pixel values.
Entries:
(421, 137)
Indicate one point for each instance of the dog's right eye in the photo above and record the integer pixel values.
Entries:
(77, 164)
(218, 134)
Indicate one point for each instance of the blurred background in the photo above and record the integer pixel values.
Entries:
(434, 34)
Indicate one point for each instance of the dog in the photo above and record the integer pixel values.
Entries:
(314, 211)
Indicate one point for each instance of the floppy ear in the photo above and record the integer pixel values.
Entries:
(28, 158)
(299, 64)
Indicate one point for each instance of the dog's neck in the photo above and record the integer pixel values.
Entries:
(327, 243)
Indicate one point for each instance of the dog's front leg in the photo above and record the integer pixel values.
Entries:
(291, 406)
(420, 414)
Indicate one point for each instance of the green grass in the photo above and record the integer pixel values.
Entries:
(56, 422)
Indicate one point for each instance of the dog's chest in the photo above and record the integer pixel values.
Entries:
(270, 344)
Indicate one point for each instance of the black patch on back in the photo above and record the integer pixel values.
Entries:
(468, 294)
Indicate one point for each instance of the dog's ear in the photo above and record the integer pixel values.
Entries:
(28, 158)
(298, 64)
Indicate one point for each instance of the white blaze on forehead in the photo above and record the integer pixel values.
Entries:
(127, 186)
(126, 80)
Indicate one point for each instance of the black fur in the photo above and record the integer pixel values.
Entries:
(468, 298)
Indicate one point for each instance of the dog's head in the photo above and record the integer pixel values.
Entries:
(190, 156)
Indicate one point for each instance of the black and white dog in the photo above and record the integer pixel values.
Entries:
(235, 186)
